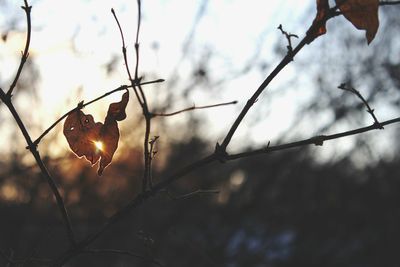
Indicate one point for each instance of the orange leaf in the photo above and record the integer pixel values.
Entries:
(318, 27)
(363, 14)
(96, 140)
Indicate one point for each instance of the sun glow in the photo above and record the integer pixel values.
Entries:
(98, 145)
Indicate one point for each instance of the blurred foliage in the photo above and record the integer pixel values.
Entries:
(277, 210)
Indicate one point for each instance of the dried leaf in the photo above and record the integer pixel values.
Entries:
(363, 14)
(318, 27)
(96, 140)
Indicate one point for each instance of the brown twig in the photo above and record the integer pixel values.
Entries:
(193, 108)
(27, 8)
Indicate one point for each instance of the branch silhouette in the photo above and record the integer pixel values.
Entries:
(27, 8)
(193, 108)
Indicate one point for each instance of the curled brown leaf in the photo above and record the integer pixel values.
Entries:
(96, 140)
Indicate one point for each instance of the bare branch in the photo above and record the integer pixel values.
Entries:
(193, 108)
(133, 82)
(146, 113)
(140, 95)
(27, 8)
(139, 20)
(358, 94)
(316, 140)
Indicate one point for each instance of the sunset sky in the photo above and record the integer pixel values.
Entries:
(72, 43)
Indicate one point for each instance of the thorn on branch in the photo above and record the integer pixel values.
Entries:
(352, 90)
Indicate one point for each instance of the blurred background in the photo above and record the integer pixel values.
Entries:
(335, 205)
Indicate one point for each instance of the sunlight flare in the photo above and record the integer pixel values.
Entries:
(98, 145)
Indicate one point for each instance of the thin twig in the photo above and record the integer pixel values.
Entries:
(358, 94)
(316, 140)
(153, 153)
(146, 113)
(139, 94)
(139, 21)
(25, 54)
(193, 108)
(122, 252)
(289, 37)
(126, 58)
